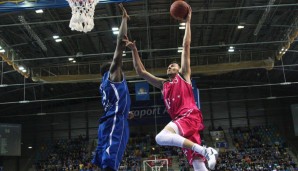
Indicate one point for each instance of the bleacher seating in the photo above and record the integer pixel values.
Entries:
(259, 148)
(65, 155)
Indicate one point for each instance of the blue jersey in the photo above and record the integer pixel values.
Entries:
(115, 97)
(113, 131)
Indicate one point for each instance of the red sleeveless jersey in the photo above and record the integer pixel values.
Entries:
(178, 97)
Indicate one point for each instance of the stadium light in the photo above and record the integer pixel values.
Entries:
(180, 49)
(231, 49)
(55, 37)
(58, 40)
(240, 27)
(40, 11)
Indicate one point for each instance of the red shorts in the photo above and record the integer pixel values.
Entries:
(190, 124)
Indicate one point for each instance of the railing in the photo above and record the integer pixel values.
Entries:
(93, 67)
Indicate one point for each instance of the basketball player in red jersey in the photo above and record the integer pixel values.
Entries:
(187, 121)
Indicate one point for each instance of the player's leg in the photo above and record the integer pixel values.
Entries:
(170, 136)
(118, 138)
(198, 160)
(199, 165)
(189, 128)
(97, 158)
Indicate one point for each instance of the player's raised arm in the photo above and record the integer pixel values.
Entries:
(115, 69)
(185, 56)
(140, 69)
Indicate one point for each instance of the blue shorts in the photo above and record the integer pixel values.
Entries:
(113, 136)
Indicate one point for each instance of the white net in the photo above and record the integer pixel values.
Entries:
(82, 14)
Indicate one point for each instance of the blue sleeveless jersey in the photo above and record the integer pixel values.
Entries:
(113, 130)
(115, 97)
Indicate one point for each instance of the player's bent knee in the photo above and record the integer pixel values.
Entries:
(158, 139)
(162, 138)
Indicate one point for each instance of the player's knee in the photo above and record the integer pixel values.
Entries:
(162, 138)
(158, 139)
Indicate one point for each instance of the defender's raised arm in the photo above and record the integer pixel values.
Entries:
(115, 69)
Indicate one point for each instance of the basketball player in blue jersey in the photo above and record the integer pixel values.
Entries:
(113, 131)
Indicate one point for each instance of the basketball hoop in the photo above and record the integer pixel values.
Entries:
(82, 14)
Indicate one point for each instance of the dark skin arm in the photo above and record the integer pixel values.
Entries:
(116, 66)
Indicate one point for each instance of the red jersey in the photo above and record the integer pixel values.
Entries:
(178, 97)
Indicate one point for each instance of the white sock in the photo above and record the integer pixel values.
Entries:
(199, 165)
(199, 149)
(168, 138)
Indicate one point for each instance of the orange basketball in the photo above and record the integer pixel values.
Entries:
(179, 10)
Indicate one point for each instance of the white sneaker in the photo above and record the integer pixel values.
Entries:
(211, 156)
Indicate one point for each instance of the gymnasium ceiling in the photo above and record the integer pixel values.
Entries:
(267, 29)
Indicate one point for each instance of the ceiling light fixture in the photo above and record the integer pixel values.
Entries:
(56, 37)
(182, 26)
(231, 49)
(115, 32)
(180, 49)
(21, 68)
(240, 27)
(40, 11)
(58, 40)
(70, 59)
(283, 51)
(2, 50)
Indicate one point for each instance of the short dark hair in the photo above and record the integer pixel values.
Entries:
(174, 62)
(105, 67)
